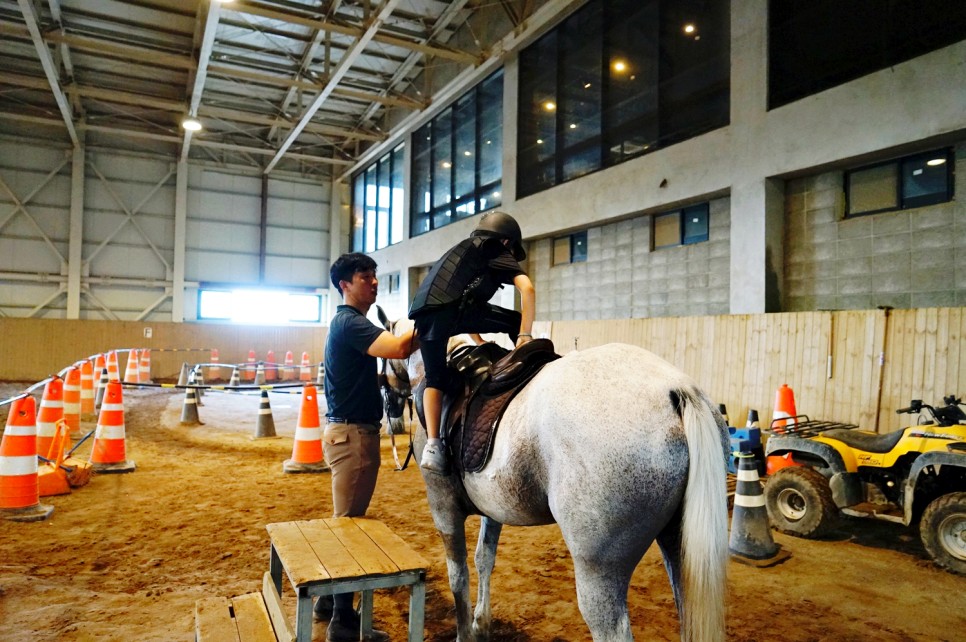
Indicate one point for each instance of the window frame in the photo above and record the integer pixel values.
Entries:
(683, 239)
(374, 215)
(902, 202)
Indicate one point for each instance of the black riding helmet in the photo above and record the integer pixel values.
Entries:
(502, 225)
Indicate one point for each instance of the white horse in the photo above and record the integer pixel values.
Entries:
(619, 448)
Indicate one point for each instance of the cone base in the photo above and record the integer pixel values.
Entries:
(125, 466)
(36, 513)
(260, 436)
(780, 556)
(191, 422)
(290, 466)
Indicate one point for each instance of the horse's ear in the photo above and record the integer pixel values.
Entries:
(383, 318)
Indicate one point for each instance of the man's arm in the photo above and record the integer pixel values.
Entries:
(389, 346)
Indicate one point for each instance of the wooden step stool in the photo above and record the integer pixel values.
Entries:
(239, 619)
(342, 555)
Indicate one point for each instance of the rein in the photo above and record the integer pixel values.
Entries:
(393, 401)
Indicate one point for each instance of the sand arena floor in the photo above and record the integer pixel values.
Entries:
(125, 557)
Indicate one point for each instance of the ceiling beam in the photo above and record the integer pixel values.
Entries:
(349, 57)
(354, 31)
(201, 71)
(50, 69)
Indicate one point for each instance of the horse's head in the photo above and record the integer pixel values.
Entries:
(395, 378)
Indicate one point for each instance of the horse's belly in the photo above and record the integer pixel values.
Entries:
(516, 500)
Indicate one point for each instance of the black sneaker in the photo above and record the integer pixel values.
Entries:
(322, 611)
(344, 627)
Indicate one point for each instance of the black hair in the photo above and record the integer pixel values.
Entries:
(347, 265)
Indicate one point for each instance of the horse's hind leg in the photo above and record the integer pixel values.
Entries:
(490, 530)
(669, 540)
(454, 541)
(602, 597)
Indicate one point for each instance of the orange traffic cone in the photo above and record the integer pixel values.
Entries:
(288, 370)
(113, 370)
(249, 373)
(51, 411)
(52, 474)
(784, 409)
(131, 374)
(307, 451)
(87, 388)
(271, 368)
(305, 373)
(214, 371)
(19, 488)
(144, 366)
(72, 401)
(108, 452)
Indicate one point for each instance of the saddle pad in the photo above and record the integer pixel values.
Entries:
(484, 415)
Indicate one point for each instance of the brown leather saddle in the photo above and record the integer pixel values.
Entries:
(491, 377)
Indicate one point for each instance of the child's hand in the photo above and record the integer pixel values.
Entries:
(523, 339)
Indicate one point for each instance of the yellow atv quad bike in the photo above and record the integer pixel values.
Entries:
(819, 470)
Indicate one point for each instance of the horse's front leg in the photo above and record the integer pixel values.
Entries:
(454, 541)
(490, 530)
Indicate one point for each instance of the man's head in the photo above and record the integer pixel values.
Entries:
(347, 265)
(502, 226)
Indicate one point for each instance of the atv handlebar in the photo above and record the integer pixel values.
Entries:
(915, 407)
(949, 415)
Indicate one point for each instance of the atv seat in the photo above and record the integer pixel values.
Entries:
(870, 442)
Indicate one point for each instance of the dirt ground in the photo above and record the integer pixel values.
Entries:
(125, 557)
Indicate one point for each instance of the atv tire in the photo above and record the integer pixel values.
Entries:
(799, 502)
(943, 532)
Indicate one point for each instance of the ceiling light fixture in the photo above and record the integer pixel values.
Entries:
(932, 162)
(191, 124)
(550, 105)
(689, 28)
(619, 66)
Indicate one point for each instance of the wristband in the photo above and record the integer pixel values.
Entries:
(525, 334)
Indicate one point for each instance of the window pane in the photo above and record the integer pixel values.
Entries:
(382, 204)
(873, 189)
(667, 230)
(398, 193)
(925, 179)
(370, 224)
(536, 142)
(491, 131)
(578, 247)
(358, 210)
(579, 107)
(420, 200)
(304, 307)
(695, 223)
(215, 304)
(465, 161)
(442, 158)
(561, 250)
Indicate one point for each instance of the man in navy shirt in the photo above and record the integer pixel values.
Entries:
(354, 410)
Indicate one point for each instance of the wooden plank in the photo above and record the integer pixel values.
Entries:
(392, 545)
(284, 631)
(299, 559)
(363, 550)
(213, 621)
(252, 619)
(331, 552)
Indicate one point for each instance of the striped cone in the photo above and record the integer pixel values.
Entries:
(87, 388)
(723, 409)
(752, 419)
(144, 366)
(260, 374)
(199, 381)
(51, 410)
(784, 408)
(189, 410)
(750, 541)
(113, 371)
(101, 389)
(249, 373)
(288, 370)
(307, 450)
(234, 381)
(19, 488)
(265, 424)
(72, 402)
(271, 368)
(183, 375)
(132, 369)
(320, 377)
(305, 372)
(108, 454)
(214, 371)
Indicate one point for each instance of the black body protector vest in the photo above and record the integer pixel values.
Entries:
(463, 270)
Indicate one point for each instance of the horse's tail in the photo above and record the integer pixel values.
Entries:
(704, 531)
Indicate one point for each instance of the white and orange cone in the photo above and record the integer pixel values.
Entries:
(305, 372)
(108, 454)
(288, 370)
(87, 389)
(214, 371)
(784, 409)
(113, 370)
(271, 368)
(51, 411)
(19, 487)
(249, 373)
(72, 402)
(132, 369)
(307, 454)
(144, 366)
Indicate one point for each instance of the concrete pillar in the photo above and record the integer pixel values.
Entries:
(180, 236)
(338, 240)
(511, 96)
(75, 261)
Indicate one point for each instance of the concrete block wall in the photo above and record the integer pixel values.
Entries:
(624, 278)
(913, 258)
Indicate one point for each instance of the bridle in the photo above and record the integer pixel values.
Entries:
(395, 404)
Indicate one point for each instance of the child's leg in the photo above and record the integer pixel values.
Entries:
(433, 410)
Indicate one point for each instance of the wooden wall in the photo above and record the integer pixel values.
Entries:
(32, 349)
(850, 366)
